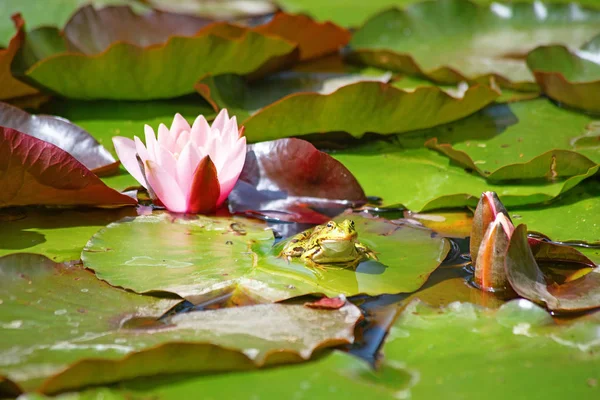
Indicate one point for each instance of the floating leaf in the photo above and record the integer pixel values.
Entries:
(336, 105)
(217, 9)
(577, 211)
(63, 134)
(97, 334)
(34, 172)
(450, 41)
(202, 256)
(424, 180)
(126, 71)
(479, 349)
(571, 77)
(287, 177)
(9, 86)
(59, 234)
(502, 142)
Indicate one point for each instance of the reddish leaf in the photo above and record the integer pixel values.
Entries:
(9, 86)
(327, 303)
(61, 133)
(528, 280)
(205, 188)
(92, 31)
(314, 39)
(34, 172)
(292, 177)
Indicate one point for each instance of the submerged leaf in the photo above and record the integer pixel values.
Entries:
(81, 331)
(201, 257)
(34, 172)
(63, 134)
(450, 41)
(287, 178)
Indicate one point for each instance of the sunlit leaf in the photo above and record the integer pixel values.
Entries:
(338, 102)
(285, 178)
(528, 280)
(422, 179)
(455, 40)
(199, 257)
(81, 331)
(571, 77)
(63, 134)
(34, 172)
(228, 9)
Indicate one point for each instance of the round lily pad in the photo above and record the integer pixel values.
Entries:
(200, 256)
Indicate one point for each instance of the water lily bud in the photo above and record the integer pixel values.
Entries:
(187, 169)
(490, 274)
(488, 208)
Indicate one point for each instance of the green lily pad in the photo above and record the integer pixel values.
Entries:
(422, 179)
(200, 257)
(64, 329)
(571, 77)
(335, 104)
(503, 141)
(577, 210)
(450, 41)
(479, 349)
(58, 234)
(126, 71)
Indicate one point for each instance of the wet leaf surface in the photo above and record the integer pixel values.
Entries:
(450, 41)
(116, 335)
(528, 280)
(63, 134)
(34, 172)
(476, 352)
(203, 257)
(502, 142)
(332, 101)
(571, 77)
(422, 179)
(288, 178)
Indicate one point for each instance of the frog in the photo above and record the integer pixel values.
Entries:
(331, 243)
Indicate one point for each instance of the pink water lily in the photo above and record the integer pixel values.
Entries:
(187, 169)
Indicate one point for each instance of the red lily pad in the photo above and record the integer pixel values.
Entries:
(290, 180)
(92, 31)
(61, 133)
(35, 172)
(9, 86)
(571, 77)
(528, 280)
(314, 39)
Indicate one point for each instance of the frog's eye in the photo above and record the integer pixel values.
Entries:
(351, 224)
(330, 224)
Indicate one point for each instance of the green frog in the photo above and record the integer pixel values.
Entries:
(331, 243)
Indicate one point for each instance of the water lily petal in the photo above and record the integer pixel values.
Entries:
(182, 140)
(200, 131)
(165, 187)
(127, 153)
(221, 120)
(166, 160)
(179, 125)
(230, 132)
(234, 163)
(205, 190)
(164, 137)
(151, 141)
(186, 166)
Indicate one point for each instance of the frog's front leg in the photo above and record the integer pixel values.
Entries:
(365, 251)
(316, 268)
